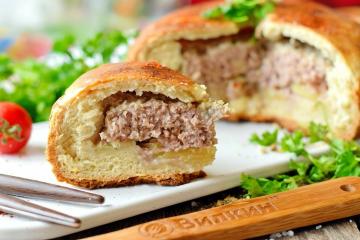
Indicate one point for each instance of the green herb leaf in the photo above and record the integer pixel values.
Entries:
(261, 12)
(347, 165)
(340, 146)
(318, 132)
(266, 139)
(262, 186)
(325, 163)
(242, 11)
(62, 44)
(5, 67)
(293, 143)
(300, 167)
(343, 159)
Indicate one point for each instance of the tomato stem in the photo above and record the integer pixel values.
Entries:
(8, 131)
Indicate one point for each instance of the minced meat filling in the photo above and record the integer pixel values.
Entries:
(173, 124)
(286, 64)
(277, 65)
(219, 64)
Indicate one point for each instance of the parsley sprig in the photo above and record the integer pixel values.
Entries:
(242, 11)
(343, 159)
(266, 139)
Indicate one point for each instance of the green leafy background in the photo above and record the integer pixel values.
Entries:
(37, 84)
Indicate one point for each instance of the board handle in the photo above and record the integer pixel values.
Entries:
(247, 218)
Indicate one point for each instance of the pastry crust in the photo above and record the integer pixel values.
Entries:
(150, 76)
(170, 180)
(351, 12)
(336, 37)
(71, 127)
(186, 23)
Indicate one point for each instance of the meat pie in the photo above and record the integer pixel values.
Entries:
(124, 124)
(302, 66)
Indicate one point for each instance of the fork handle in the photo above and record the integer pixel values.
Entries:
(16, 206)
(35, 189)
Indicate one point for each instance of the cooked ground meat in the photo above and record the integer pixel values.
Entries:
(172, 124)
(285, 64)
(230, 65)
(222, 63)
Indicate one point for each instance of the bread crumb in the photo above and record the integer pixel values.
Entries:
(289, 233)
(227, 200)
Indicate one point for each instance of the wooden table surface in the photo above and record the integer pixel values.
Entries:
(337, 230)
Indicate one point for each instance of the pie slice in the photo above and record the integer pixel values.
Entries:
(132, 123)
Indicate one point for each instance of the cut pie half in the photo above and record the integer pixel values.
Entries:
(303, 64)
(124, 124)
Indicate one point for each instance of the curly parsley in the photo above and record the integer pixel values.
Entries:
(343, 159)
(266, 138)
(242, 11)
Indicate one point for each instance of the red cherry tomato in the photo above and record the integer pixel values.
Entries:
(15, 127)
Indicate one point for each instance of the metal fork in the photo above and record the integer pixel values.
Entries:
(16, 186)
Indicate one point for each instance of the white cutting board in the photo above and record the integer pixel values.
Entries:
(235, 155)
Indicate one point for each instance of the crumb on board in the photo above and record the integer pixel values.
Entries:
(318, 227)
(263, 150)
(289, 233)
(227, 200)
(194, 204)
(271, 148)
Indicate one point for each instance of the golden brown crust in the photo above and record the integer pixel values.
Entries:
(351, 12)
(54, 127)
(173, 180)
(150, 71)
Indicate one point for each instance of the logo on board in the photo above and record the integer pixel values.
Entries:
(233, 212)
(155, 229)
